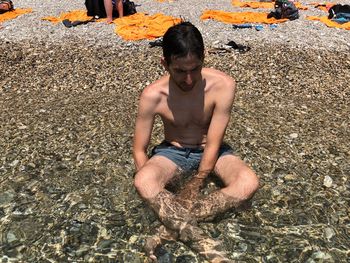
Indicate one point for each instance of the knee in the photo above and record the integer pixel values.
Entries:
(250, 182)
(145, 185)
(243, 187)
(140, 183)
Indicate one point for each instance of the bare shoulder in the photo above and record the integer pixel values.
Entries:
(156, 90)
(219, 81)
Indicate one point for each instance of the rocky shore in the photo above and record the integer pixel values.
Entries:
(68, 100)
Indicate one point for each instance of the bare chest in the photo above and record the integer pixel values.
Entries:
(187, 113)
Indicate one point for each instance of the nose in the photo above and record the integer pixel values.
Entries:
(189, 79)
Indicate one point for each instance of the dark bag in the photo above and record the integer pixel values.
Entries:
(96, 8)
(129, 8)
(284, 9)
(338, 10)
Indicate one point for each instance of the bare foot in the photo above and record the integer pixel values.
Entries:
(162, 236)
(109, 20)
(150, 246)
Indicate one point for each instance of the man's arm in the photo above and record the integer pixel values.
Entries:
(143, 126)
(220, 118)
(221, 115)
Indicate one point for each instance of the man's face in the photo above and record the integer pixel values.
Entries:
(4, 7)
(185, 71)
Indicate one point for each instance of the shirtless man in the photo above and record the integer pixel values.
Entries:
(110, 5)
(5, 5)
(194, 104)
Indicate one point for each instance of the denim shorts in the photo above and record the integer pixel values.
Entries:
(187, 159)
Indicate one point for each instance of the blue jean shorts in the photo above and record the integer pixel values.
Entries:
(187, 159)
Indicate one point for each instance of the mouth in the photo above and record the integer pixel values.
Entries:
(186, 86)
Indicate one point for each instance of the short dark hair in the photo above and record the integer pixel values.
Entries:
(181, 40)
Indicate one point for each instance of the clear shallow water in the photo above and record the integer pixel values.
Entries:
(67, 117)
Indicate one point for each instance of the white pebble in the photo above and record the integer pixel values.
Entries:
(327, 181)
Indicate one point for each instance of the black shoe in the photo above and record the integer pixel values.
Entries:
(240, 48)
(67, 23)
(156, 43)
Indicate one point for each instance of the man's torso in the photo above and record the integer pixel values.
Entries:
(186, 116)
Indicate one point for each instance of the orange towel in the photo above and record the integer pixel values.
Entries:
(268, 5)
(240, 17)
(14, 13)
(329, 23)
(141, 26)
(76, 15)
(253, 4)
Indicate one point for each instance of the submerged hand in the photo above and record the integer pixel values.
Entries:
(190, 192)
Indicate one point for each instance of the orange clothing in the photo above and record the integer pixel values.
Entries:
(240, 17)
(329, 22)
(75, 15)
(267, 5)
(141, 26)
(14, 13)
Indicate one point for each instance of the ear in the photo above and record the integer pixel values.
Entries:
(164, 63)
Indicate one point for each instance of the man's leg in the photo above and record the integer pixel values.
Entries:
(150, 182)
(161, 236)
(181, 224)
(240, 185)
(109, 10)
(120, 8)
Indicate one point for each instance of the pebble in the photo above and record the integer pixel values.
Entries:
(327, 181)
(293, 135)
(328, 233)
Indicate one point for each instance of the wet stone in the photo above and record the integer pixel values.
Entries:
(82, 250)
(320, 256)
(328, 233)
(104, 246)
(2, 212)
(6, 198)
(11, 239)
(185, 259)
(131, 257)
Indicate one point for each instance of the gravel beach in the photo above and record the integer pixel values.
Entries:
(300, 33)
(68, 101)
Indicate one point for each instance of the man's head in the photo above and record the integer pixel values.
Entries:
(181, 40)
(183, 52)
(6, 6)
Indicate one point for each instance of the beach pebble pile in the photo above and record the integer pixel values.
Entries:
(300, 33)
